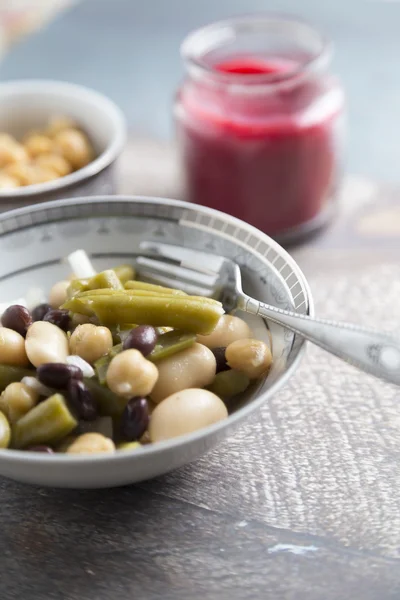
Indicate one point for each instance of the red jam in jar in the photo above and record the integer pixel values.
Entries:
(259, 122)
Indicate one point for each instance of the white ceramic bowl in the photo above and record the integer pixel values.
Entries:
(27, 105)
(33, 241)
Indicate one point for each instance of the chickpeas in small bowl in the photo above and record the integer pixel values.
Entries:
(106, 378)
(56, 139)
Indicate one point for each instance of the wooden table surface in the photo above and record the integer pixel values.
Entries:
(301, 503)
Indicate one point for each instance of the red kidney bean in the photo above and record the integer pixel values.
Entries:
(82, 400)
(220, 358)
(58, 317)
(40, 311)
(142, 338)
(135, 419)
(18, 318)
(58, 375)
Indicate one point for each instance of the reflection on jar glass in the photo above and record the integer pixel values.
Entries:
(260, 123)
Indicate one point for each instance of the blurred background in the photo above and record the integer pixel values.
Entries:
(129, 50)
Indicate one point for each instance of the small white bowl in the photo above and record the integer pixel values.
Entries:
(27, 105)
(33, 242)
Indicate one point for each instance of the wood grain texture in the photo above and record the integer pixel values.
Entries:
(301, 503)
(132, 543)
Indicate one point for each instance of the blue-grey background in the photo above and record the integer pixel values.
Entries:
(129, 49)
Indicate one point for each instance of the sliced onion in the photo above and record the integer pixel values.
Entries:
(34, 384)
(34, 297)
(81, 265)
(84, 366)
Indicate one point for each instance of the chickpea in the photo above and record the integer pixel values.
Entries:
(12, 348)
(184, 412)
(130, 374)
(58, 123)
(37, 143)
(16, 400)
(74, 147)
(29, 174)
(39, 174)
(90, 342)
(78, 319)
(46, 343)
(58, 294)
(228, 330)
(91, 443)
(7, 182)
(23, 172)
(54, 162)
(249, 356)
(194, 367)
(7, 143)
(11, 151)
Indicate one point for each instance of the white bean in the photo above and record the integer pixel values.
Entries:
(46, 343)
(194, 367)
(184, 412)
(228, 330)
(12, 348)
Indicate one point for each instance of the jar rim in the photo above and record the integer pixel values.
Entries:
(225, 30)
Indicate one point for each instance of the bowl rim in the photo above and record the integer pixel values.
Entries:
(72, 90)
(12, 455)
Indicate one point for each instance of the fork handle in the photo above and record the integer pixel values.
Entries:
(373, 352)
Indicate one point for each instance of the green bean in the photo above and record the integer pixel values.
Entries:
(189, 313)
(151, 287)
(110, 292)
(105, 280)
(10, 374)
(76, 306)
(124, 273)
(110, 405)
(101, 365)
(170, 343)
(77, 286)
(47, 423)
(133, 294)
(5, 431)
(228, 384)
(124, 327)
(119, 332)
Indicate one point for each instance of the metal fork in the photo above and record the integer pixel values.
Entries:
(200, 273)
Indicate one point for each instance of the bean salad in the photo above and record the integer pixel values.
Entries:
(108, 363)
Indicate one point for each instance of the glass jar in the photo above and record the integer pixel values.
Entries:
(259, 123)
